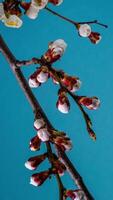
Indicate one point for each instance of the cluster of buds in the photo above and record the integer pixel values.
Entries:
(11, 11)
(91, 103)
(74, 195)
(40, 76)
(84, 30)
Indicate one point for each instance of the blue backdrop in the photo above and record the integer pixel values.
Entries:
(94, 65)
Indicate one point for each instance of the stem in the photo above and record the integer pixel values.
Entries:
(38, 110)
(72, 21)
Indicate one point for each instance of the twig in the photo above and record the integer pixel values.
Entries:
(38, 110)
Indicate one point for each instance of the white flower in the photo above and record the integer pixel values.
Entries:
(84, 30)
(42, 77)
(64, 108)
(13, 21)
(39, 123)
(33, 182)
(43, 134)
(29, 166)
(2, 14)
(59, 44)
(33, 11)
(33, 83)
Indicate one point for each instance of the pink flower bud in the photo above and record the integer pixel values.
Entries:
(72, 83)
(42, 77)
(43, 134)
(39, 178)
(39, 123)
(84, 30)
(91, 103)
(95, 37)
(55, 51)
(34, 162)
(33, 83)
(35, 143)
(75, 194)
(63, 142)
(63, 104)
(56, 2)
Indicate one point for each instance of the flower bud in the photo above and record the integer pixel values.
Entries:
(55, 51)
(40, 3)
(43, 134)
(39, 123)
(72, 83)
(63, 142)
(84, 30)
(42, 77)
(56, 2)
(35, 143)
(39, 178)
(34, 162)
(95, 37)
(63, 104)
(91, 103)
(75, 194)
(33, 83)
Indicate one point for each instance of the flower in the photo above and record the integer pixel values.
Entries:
(75, 194)
(39, 178)
(63, 142)
(95, 37)
(35, 7)
(43, 134)
(55, 51)
(35, 143)
(56, 2)
(42, 74)
(84, 30)
(91, 103)
(39, 123)
(34, 162)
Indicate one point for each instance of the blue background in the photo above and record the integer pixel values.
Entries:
(94, 65)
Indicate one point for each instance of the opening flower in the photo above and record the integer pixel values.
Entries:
(84, 30)
(55, 51)
(63, 104)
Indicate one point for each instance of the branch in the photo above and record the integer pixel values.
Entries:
(38, 110)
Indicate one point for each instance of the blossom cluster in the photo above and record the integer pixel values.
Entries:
(11, 11)
(68, 84)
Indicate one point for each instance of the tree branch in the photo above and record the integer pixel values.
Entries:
(38, 110)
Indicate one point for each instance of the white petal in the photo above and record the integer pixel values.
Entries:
(64, 108)
(84, 30)
(39, 123)
(13, 21)
(28, 165)
(33, 83)
(42, 77)
(43, 134)
(2, 14)
(58, 43)
(32, 12)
